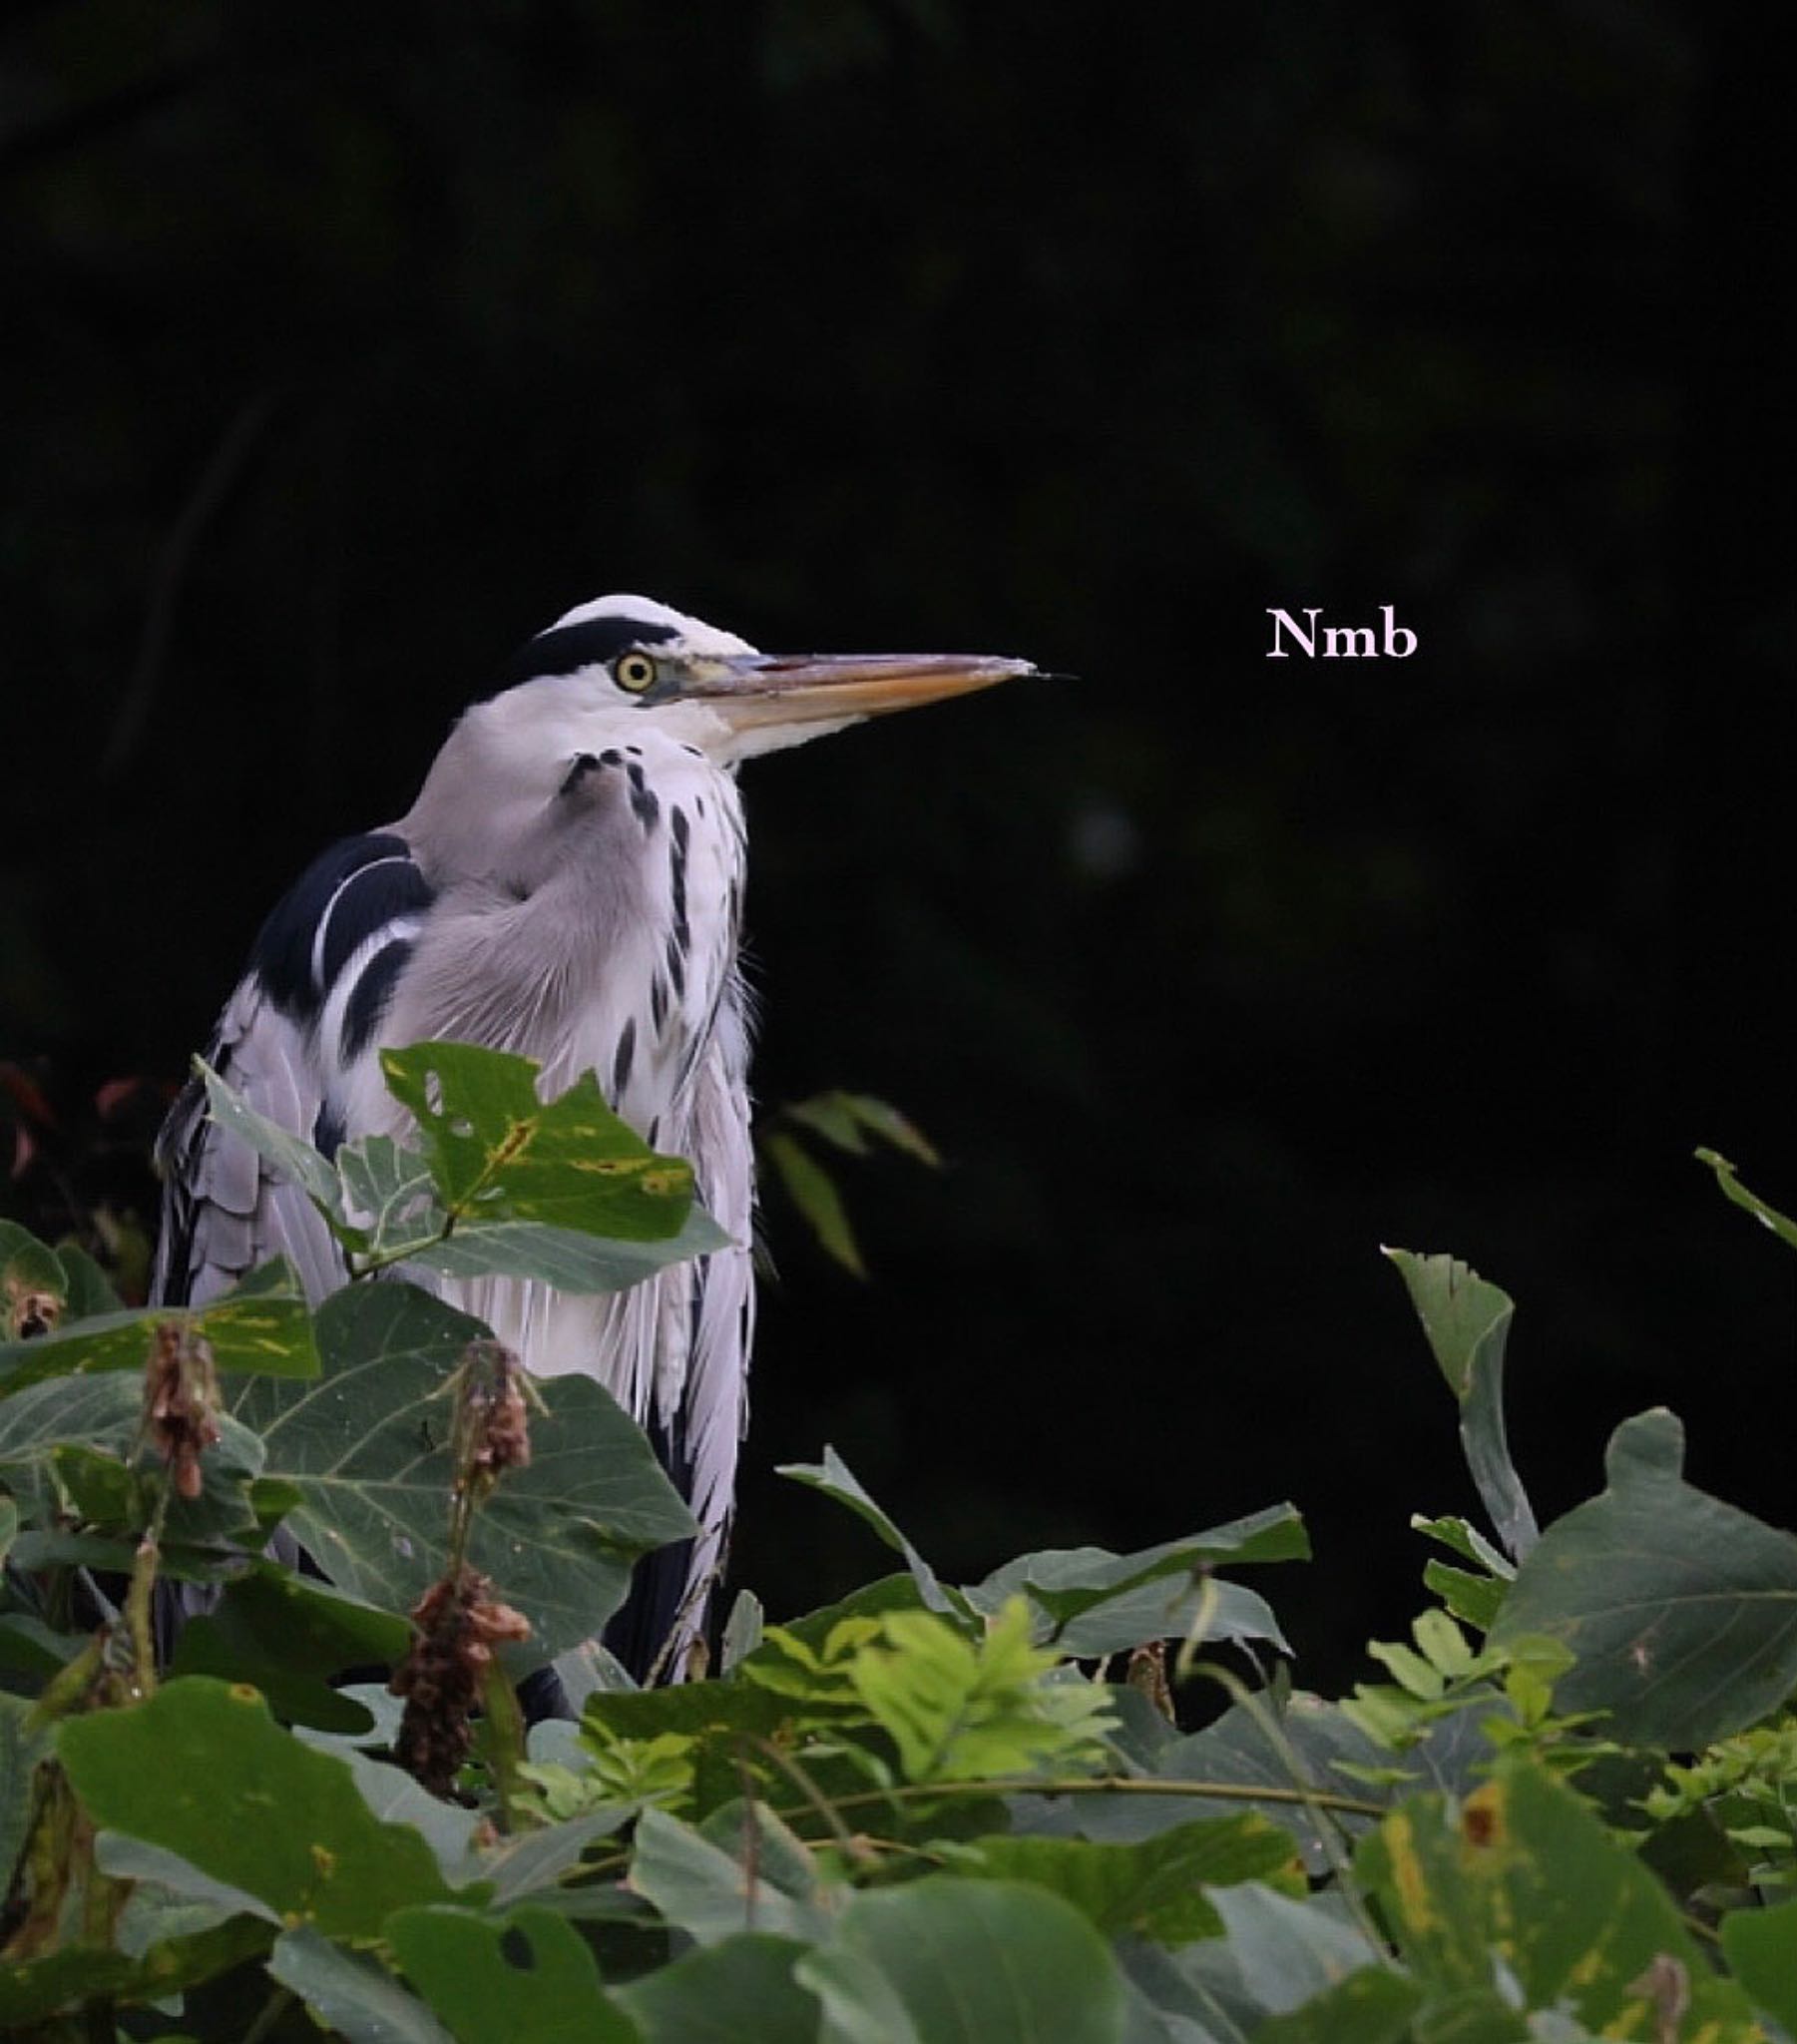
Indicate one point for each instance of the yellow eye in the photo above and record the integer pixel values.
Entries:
(633, 670)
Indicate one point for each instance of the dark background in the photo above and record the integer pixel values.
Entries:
(342, 349)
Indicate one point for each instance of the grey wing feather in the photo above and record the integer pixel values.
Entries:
(224, 1210)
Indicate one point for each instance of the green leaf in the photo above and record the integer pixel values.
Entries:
(1681, 1611)
(39, 1988)
(368, 1448)
(1373, 2006)
(528, 1975)
(1732, 1189)
(709, 1893)
(492, 1143)
(726, 1993)
(813, 1192)
(1288, 1951)
(23, 1743)
(1098, 1602)
(349, 1995)
(90, 1289)
(263, 1326)
(831, 1115)
(886, 1121)
(290, 1155)
(1151, 1890)
(834, 1479)
(200, 1769)
(967, 1963)
(959, 1709)
(9, 1526)
(1762, 1947)
(1466, 1322)
(1521, 1869)
(1474, 1599)
(1236, 1751)
(484, 1246)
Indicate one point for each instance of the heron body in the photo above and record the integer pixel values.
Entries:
(568, 886)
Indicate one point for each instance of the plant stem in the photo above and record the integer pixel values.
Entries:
(269, 2015)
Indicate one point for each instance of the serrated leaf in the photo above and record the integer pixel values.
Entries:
(813, 1192)
(1681, 1611)
(969, 1962)
(1468, 1321)
(197, 1769)
(526, 1975)
(368, 1445)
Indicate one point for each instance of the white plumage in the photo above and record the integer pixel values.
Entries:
(569, 885)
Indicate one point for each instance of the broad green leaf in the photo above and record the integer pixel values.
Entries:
(202, 1768)
(835, 1479)
(1681, 1611)
(1522, 1871)
(351, 1996)
(90, 1289)
(485, 1246)
(813, 1192)
(1761, 1946)
(288, 1634)
(531, 1861)
(571, 1163)
(1373, 2006)
(1098, 1601)
(971, 1962)
(1288, 1951)
(368, 1445)
(1151, 1890)
(726, 1993)
(1468, 1321)
(1236, 1750)
(705, 1892)
(263, 1326)
(37, 1989)
(527, 1976)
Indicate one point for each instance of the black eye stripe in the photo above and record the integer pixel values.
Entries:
(594, 642)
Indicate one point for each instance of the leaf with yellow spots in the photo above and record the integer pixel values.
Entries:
(202, 1771)
(1520, 1871)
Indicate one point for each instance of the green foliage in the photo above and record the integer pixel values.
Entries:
(921, 1815)
(844, 1120)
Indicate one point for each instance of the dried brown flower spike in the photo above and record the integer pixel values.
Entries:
(459, 1625)
(181, 1402)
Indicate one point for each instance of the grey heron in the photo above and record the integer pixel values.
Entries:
(568, 886)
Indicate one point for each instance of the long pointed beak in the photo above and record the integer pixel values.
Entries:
(824, 687)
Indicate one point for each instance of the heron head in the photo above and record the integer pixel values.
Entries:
(714, 689)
